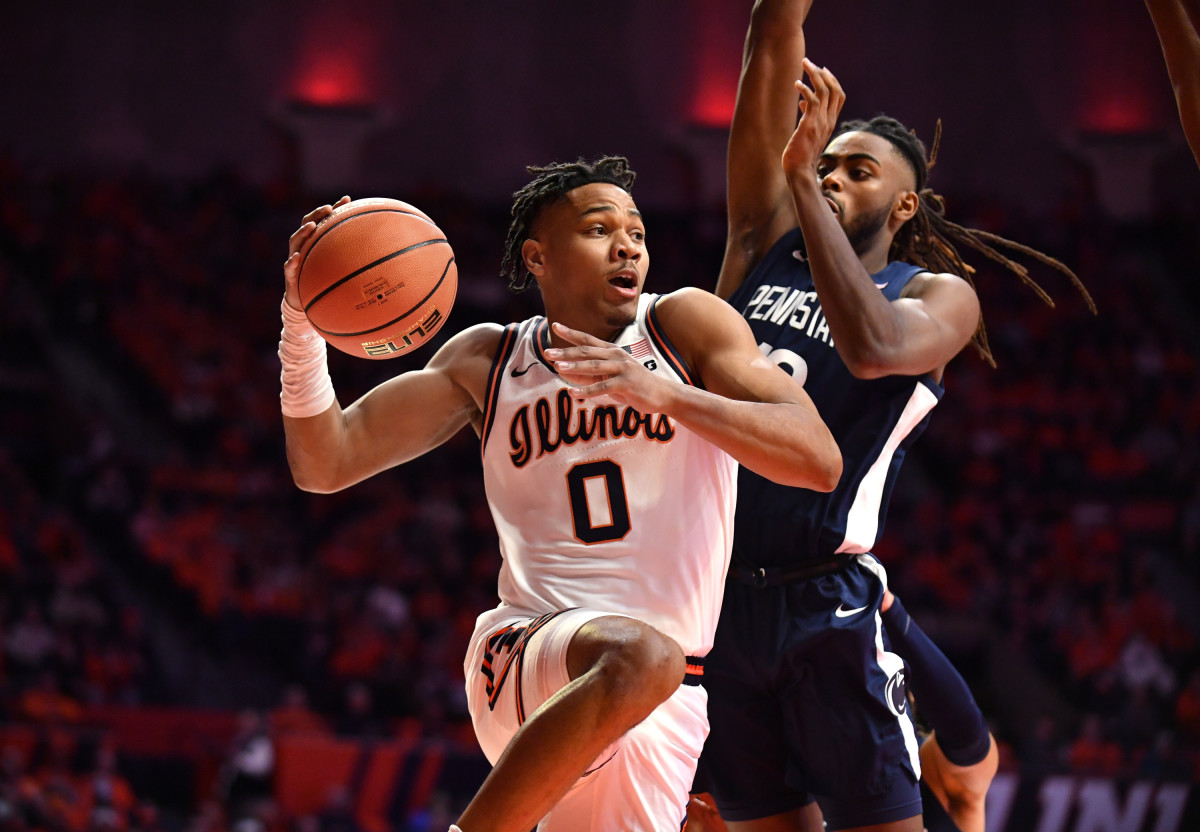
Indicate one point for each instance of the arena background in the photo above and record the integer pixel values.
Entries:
(189, 643)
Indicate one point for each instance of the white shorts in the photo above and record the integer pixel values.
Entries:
(640, 783)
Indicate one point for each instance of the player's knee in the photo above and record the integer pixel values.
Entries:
(644, 672)
(637, 667)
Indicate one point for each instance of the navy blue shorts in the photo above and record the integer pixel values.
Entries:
(806, 702)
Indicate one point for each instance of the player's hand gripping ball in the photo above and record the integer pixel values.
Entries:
(377, 278)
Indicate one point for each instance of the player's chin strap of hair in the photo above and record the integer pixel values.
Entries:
(306, 387)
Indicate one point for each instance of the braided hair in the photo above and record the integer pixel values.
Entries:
(930, 241)
(550, 184)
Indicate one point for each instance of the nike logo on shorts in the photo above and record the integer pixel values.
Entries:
(518, 373)
(842, 612)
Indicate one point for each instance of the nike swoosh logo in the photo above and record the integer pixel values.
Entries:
(842, 612)
(518, 373)
(799, 255)
(882, 285)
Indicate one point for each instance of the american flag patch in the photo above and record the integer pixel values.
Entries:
(639, 349)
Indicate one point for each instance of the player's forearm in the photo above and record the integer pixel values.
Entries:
(313, 447)
(312, 418)
(771, 18)
(1176, 23)
(864, 326)
(1179, 39)
(758, 207)
(785, 442)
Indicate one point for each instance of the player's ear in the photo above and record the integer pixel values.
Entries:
(907, 203)
(534, 257)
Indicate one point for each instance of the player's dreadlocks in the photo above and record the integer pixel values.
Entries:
(549, 184)
(929, 239)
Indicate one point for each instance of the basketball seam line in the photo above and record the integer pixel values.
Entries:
(370, 266)
(321, 232)
(414, 308)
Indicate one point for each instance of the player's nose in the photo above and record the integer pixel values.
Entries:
(627, 248)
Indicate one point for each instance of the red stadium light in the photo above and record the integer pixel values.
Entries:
(712, 103)
(332, 80)
(1118, 96)
(336, 63)
(717, 53)
(1124, 115)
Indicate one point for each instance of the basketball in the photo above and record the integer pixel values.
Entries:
(377, 278)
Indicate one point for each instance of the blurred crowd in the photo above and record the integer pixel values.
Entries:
(1048, 523)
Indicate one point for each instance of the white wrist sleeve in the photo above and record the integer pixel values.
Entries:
(306, 387)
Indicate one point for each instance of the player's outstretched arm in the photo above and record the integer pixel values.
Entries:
(744, 403)
(330, 448)
(759, 205)
(936, 315)
(401, 419)
(1178, 25)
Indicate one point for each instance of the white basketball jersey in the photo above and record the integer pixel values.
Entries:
(598, 505)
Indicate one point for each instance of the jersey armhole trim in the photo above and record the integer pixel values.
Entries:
(508, 341)
(936, 388)
(674, 359)
(541, 343)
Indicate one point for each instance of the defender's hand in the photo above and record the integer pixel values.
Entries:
(597, 368)
(819, 110)
(291, 266)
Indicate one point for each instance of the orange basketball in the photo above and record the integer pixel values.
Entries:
(378, 278)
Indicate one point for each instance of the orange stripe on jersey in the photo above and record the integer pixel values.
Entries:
(672, 356)
(533, 628)
(516, 657)
(507, 341)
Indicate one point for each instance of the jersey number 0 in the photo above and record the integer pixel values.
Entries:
(597, 492)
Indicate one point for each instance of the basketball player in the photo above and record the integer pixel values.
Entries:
(1178, 25)
(611, 431)
(840, 259)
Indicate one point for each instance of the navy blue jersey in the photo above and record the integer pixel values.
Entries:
(874, 421)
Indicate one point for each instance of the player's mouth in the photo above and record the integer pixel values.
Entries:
(626, 283)
(834, 205)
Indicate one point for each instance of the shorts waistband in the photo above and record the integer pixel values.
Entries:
(763, 576)
(695, 671)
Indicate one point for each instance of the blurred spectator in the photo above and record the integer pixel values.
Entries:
(338, 812)
(45, 702)
(358, 717)
(248, 777)
(31, 642)
(1041, 752)
(435, 817)
(1165, 761)
(1143, 668)
(1187, 710)
(1093, 752)
(107, 796)
(294, 716)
